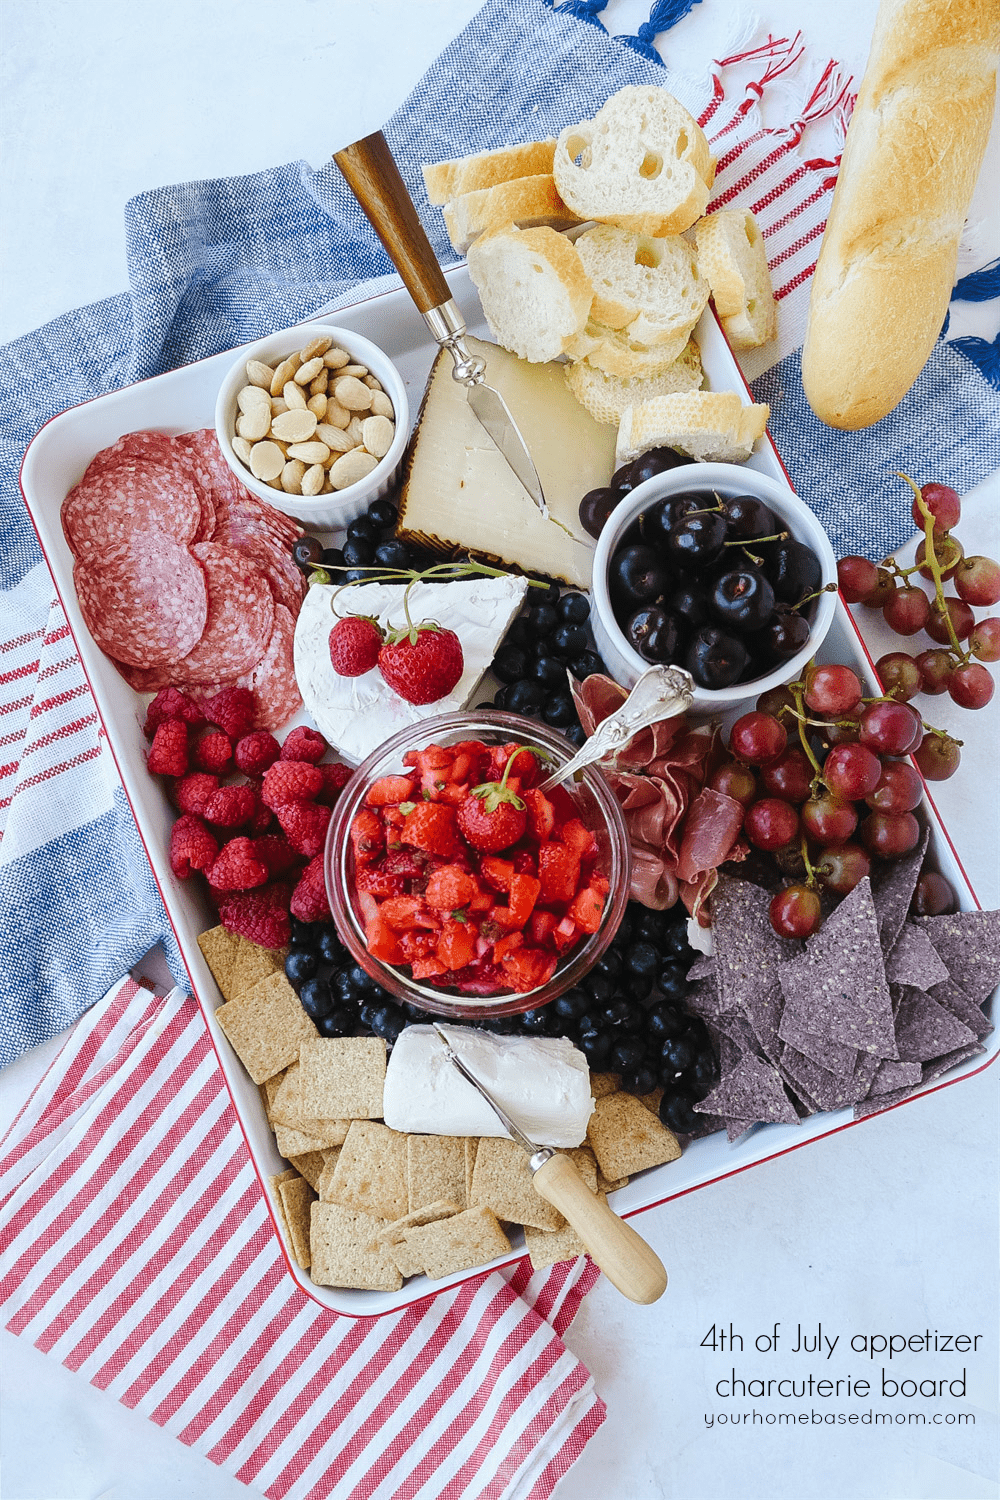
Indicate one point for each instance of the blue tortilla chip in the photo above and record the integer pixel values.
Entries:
(751, 1093)
(914, 960)
(968, 942)
(926, 1030)
(893, 884)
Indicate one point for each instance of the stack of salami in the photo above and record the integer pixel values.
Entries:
(184, 578)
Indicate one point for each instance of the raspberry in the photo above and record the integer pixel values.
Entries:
(276, 852)
(291, 781)
(171, 703)
(263, 817)
(305, 825)
(239, 867)
(213, 752)
(335, 777)
(255, 752)
(304, 744)
(168, 754)
(232, 710)
(309, 901)
(230, 806)
(192, 846)
(193, 791)
(261, 916)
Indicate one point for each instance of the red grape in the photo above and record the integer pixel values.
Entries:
(948, 553)
(899, 789)
(935, 669)
(852, 771)
(795, 912)
(937, 756)
(757, 738)
(890, 728)
(971, 686)
(789, 777)
(889, 834)
(984, 641)
(962, 621)
(828, 819)
(856, 579)
(770, 823)
(906, 612)
(899, 675)
(842, 867)
(944, 504)
(736, 781)
(844, 730)
(977, 581)
(933, 896)
(774, 701)
(832, 690)
(883, 590)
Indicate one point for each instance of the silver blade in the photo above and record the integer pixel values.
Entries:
(497, 1108)
(494, 414)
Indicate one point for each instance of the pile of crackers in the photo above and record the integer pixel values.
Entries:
(364, 1206)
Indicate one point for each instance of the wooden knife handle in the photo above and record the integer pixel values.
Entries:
(373, 178)
(624, 1257)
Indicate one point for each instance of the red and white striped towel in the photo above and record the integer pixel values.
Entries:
(137, 1250)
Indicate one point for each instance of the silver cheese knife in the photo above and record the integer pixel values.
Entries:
(624, 1257)
(373, 177)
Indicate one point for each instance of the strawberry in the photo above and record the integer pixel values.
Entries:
(422, 663)
(291, 781)
(238, 868)
(448, 889)
(168, 754)
(355, 643)
(492, 816)
(303, 743)
(260, 916)
(431, 826)
(256, 752)
(558, 871)
(367, 836)
(232, 710)
(192, 846)
(309, 901)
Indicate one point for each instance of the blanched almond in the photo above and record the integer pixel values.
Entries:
(291, 476)
(284, 373)
(308, 371)
(258, 373)
(278, 405)
(253, 425)
(309, 453)
(241, 447)
(358, 371)
(294, 426)
(336, 415)
(335, 438)
(372, 382)
(354, 466)
(352, 393)
(335, 359)
(313, 480)
(318, 345)
(382, 406)
(294, 395)
(377, 434)
(266, 461)
(354, 427)
(317, 405)
(252, 398)
(318, 385)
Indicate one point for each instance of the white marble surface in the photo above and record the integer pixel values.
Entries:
(886, 1227)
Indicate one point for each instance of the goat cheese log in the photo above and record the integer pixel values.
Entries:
(913, 151)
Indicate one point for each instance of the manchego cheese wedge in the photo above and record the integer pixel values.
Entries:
(460, 495)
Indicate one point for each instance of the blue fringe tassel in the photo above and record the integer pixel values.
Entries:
(979, 286)
(584, 10)
(984, 355)
(664, 14)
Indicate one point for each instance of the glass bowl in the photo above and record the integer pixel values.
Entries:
(596, 807)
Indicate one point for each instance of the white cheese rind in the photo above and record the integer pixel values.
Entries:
(542, 1082)
(357, 714)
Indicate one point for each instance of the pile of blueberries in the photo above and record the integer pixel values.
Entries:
(369, 547)
(550, 634)
(627, 1016)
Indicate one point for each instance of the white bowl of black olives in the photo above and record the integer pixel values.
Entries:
(715, 568)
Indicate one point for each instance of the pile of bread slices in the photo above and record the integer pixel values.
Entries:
(617, 300)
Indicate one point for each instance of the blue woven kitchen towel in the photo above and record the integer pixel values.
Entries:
(216, 263)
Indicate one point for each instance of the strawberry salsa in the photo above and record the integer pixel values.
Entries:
(468, 875)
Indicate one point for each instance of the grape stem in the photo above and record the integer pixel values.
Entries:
(812, 879)
(931, 559)
(800, 714)
(941, 733)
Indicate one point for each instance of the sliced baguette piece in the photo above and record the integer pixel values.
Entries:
(528, 202)
(647, 285)
(710, 426)
(642, 163)
(446, 180)
(608, 397)
(533, 289)
(611, 350)
(732, 258)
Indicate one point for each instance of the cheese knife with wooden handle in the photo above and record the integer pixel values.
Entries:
(373, 177)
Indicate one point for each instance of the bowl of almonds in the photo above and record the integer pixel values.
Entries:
(314, 420)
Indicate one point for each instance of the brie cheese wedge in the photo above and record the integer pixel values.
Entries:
(357, 714)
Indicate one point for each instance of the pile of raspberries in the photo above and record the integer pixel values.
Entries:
(257, 840)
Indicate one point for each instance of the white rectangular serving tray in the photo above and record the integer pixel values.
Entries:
(183, 400)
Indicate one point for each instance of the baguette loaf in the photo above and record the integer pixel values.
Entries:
(913, 152)
(445, 180)
(528, 202)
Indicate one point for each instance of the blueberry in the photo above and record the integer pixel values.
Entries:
(362, 529)
(316, 998)
(591, 1020)
(627, 1053)
(359, 551)
(640, 1080)
(569, 640)
(510, 663)
(414, 1012)
(392, 554)
(548, 593)
(538, 1021)
(599, 987)
(677, 1114)
(596, 1048)
(586, 664)
(610, 963)
(338, 1022)
(672, 982)
(356, 574)
(330, 947)
(383, 514)
(641, 961)
(617, 1012)
(521, 633)
(576, 734)
(300, 965)
(303, 934)
(543, 619)
(559, 710)
(549, 671)
(388, 1022)
(678, 1055)
(702, 1074)
(571, 1005)
(367, 1013)
(574, 609)
(525, 697)
(333, 557)
(362, 981)
(675, 939)
(663, 1023)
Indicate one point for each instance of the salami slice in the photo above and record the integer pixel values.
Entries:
(133, 496)
(272, 681)
(144, 602)
(159, 448)
(286, 581)
(240, 617)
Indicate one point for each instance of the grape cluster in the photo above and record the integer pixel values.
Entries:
(818, 769)
(627, 1015)
(954, 664)
(550, 634)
